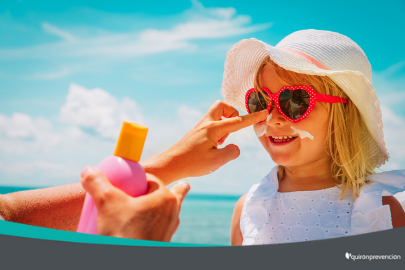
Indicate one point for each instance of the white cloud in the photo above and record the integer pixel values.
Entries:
(189, 116)
(20, 134)
(98, 111)
(63, 72)
(35, 153)
(390, 118)
(209, 23)
(198, 23)
(226, 13)
(53, 30)
(394, 130)
(35, 173)
(390, 85)
(23, 126)
(30, 168)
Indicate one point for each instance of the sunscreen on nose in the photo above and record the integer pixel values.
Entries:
(122, 170)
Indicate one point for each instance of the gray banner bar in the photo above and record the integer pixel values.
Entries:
(339, 253)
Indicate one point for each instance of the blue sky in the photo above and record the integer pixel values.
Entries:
(71, 71)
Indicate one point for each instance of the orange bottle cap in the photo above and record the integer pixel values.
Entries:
(130, 142)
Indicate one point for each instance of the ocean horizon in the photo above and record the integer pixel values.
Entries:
(204, 218)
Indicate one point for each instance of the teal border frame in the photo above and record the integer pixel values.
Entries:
(23, 230)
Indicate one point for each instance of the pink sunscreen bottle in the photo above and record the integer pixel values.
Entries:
(122, 170)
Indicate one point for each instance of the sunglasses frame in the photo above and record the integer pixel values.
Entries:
(313, 98)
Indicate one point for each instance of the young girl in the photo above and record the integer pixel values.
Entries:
(324, 130)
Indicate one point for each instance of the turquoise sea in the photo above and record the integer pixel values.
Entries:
(204, 218)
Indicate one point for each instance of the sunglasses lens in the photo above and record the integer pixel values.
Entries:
(294, 103)
(258, 101)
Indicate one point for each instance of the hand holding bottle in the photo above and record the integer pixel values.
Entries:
(122, 170)
(154, 216)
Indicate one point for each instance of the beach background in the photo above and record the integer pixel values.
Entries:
(72, 71)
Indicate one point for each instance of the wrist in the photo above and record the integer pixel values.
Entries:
(164, 166)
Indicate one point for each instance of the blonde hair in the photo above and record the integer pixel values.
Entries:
(351, 159)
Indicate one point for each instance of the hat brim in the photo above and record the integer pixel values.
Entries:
(245, 57)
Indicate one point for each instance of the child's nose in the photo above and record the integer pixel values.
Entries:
(275, 117)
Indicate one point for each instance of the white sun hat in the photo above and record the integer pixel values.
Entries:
(312, 52)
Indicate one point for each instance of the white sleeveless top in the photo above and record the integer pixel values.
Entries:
(270, 217)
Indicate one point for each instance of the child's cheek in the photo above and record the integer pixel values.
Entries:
(261, 129)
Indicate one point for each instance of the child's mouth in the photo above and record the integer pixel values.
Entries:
(282, 139)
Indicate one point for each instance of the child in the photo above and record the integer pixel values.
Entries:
(324, 130)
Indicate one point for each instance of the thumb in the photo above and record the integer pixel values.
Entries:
(98, 186)
(228, 153)
(180, 190)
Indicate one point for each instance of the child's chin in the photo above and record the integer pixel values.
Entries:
(282, 160)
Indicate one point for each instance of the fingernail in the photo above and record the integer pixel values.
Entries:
(86, 170)
(184, 184)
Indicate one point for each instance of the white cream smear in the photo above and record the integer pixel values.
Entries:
(302, 133)
(262, 128)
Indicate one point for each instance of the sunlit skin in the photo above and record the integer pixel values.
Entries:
(306, 161)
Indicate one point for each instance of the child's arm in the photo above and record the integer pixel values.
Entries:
(56, 207)
(397, 212)
(236, 234)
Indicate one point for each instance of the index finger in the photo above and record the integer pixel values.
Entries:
(236, 123)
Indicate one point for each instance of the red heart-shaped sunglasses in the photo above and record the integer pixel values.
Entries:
(293, 102)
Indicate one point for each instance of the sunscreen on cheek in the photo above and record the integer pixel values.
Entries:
(261, 128)
(122, 170)
(302, 133)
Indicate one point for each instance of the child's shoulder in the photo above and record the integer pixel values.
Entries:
(236, 234)
(241, 200)
(239, 205)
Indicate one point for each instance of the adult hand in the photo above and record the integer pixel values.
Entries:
(154, 216)
(197, 153)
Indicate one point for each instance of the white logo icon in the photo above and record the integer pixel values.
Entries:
(348, 255)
